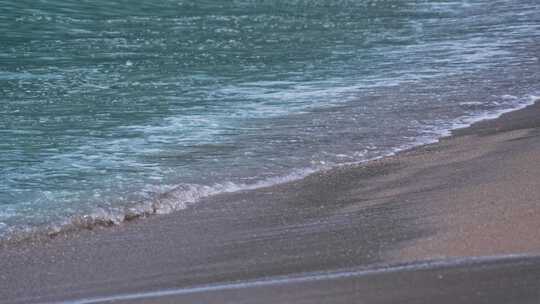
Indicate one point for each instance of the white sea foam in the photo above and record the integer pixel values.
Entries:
(519, 103)
(175, 198)
(178, 197)
(437, 132)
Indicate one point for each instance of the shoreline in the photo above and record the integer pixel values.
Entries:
(162, 206)
(416, 205)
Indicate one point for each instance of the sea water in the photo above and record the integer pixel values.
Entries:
(114, 108)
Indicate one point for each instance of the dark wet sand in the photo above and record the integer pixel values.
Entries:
(504, 280)
(474, 194)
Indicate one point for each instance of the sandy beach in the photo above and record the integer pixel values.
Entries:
(473, 194)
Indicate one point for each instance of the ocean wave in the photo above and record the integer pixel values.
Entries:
(178, 198)
(183, 195)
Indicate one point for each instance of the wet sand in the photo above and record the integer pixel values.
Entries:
(492, 280)
(476, 193)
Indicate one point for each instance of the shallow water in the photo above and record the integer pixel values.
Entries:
(106, 105)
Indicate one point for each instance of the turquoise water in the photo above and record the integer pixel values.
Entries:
(110, 108)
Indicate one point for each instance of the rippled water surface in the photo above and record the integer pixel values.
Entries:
(106, 105)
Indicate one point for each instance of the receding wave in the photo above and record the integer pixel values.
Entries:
(184, 195)
(178, 198)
